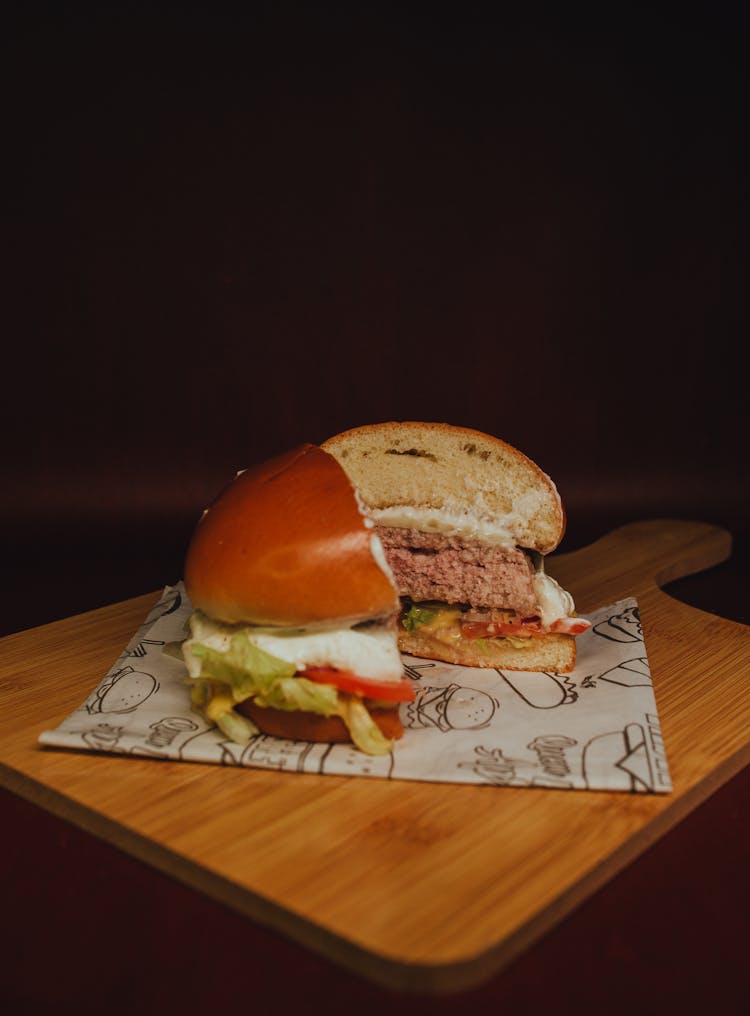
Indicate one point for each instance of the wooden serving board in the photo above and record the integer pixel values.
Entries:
(430, 887)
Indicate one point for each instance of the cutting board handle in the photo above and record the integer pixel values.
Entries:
(631, 560)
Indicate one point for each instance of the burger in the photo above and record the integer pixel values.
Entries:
(293, 630)
(465, 520)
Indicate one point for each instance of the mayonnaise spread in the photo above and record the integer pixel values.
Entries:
(554, 601)
(494, 531)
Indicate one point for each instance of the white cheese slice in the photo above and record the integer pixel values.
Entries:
(371, 651)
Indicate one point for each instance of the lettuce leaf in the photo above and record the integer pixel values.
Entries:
(243, 671)
(292, 693)
(417, 615)
(211, 698)
(365, 733)
(247, 669)
(236, 727)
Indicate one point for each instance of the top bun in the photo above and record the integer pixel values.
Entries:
(454, 479)
(286, 544)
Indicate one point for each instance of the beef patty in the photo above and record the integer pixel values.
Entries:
(435, 566)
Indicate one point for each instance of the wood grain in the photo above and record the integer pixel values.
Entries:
(425, 886)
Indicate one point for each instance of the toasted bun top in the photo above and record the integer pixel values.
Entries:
(454, 479)
(287, 544)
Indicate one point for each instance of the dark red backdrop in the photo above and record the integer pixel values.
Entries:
(232, 233)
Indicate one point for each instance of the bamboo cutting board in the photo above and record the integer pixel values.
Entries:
(429, 887)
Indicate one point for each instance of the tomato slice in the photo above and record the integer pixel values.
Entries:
(522, 629)
(353, 684)
(493, 629)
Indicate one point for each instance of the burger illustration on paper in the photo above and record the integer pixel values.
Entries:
(123, 691)
(630, 759)
(622, 627)
(450, 708)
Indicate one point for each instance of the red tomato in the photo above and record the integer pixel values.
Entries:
(522, 629)
(493, 629)
(387, 691)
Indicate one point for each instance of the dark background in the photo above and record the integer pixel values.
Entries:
(229, 233)
(234, 232)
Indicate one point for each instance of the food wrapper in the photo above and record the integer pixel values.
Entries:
(596, 728)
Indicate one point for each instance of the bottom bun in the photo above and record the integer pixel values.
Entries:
(555, 653)
(301, 726)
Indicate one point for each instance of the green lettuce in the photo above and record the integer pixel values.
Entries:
(300, 693)
(236, 727)
(365, 732)
(419, 614)
(247, 669)
(244, 671)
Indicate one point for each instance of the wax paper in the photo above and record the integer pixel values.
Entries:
(596, 728)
